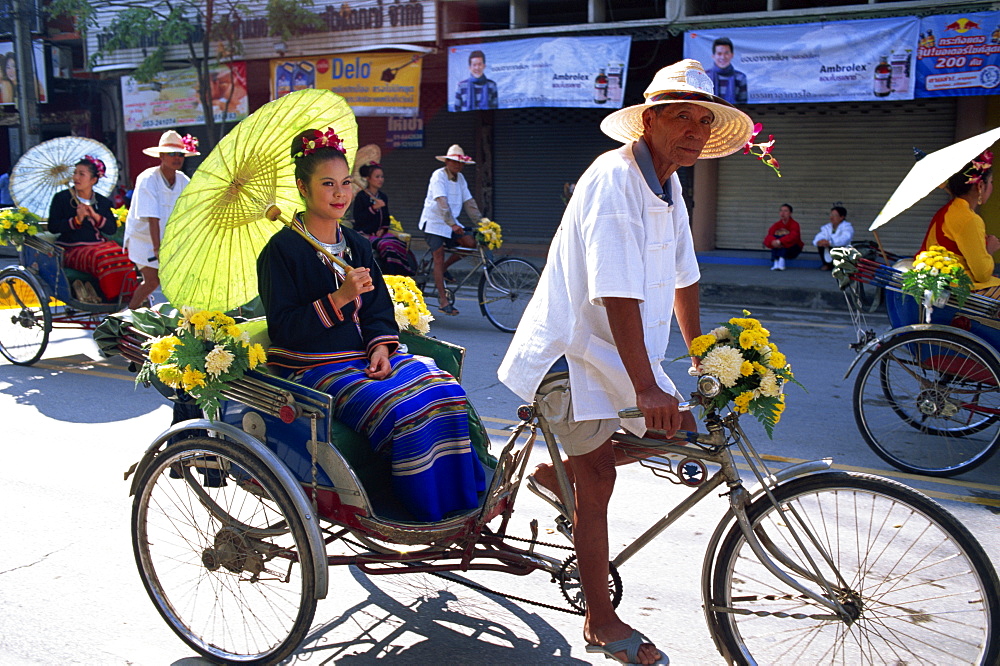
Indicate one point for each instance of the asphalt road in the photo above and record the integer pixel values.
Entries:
(69, 591)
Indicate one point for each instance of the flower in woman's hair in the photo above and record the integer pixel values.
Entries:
(190, 143)
(218, 360)
(724, 363)
(327, 139)
(99, 166)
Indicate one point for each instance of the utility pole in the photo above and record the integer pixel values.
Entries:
(27, 100)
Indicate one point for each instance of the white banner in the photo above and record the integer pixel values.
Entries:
(836, 61)
(172, 100)
(562, 71)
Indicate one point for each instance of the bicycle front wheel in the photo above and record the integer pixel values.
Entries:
(222, 552)
(504, 291)
(917, 585)
(25, 318)
(929, 403)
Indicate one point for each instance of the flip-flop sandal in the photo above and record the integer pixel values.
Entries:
(630, 646)
(448, 310)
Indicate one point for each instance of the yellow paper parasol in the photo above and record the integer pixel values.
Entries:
(221, 222)
(931, 171)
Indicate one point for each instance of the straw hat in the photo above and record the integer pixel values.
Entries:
(457, 154)
(685, 81)
(170, 142)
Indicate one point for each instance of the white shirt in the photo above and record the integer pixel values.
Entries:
(839, 237)
(455, 191)
(152, 198)
(616, 239)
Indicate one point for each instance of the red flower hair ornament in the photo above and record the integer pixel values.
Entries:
(98, 165)
(979, 167)
(327, 139)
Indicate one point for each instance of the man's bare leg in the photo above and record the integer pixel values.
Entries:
(150, 281)
(594, 475)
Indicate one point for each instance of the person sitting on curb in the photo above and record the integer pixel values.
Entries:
(784, 239)
(837, 233)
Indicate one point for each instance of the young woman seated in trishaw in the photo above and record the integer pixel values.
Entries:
(333, 329)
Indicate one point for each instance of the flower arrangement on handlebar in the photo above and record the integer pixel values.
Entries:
(935, 272)
(206, 351)
(489, 233)
(751, 371)
(16, 224)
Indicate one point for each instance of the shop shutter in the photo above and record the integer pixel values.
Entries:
(536, 151)
(854, 153)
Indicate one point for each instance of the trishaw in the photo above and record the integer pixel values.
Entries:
(37, 295)
(927, 396)
(238, 522)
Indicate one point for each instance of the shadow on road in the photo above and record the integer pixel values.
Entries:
(421, 619)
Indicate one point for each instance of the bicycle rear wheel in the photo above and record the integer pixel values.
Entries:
(222, 552)
(504, 291)
(918, 585)
(929, 403)
(25, 317)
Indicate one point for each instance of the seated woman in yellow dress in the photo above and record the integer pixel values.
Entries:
(957, 226)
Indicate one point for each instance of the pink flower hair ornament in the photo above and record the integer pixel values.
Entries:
(979, 167)
(190, 143)
(98, 165)
(763, 149)
(327, 139)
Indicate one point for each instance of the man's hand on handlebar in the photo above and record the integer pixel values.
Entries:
(660, 409)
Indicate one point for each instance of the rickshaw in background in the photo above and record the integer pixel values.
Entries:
(37, 294)
(927, 396)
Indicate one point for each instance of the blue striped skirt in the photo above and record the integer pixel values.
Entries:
(417, 416)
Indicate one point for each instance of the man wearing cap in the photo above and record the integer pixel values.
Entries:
(156, 192)
(447, 194)
(593, 337)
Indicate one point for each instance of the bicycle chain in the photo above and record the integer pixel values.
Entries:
(538, 543)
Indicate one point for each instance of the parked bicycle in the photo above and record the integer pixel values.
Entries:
(505, 284)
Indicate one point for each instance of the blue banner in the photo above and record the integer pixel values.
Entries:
(562, 71)
(959, 54)
(836, 61)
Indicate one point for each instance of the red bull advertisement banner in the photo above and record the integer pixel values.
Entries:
(373, 83)
(958, 54)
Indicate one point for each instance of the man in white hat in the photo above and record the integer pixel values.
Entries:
(593, 337)
(447, 194)
(156, 192)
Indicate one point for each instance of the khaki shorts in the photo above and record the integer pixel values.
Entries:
(555, 404)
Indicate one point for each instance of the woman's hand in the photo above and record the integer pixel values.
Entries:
(377, 203)
(358, 281)
(992, 244)
(378, 365)
(83, 211)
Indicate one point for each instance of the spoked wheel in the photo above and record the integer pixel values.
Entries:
(504, 291)
(222, 552)
(929, 403)
(25, 318)
(917, 586)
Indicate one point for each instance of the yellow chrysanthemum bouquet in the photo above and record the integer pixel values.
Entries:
(206, 351)
(489, 233)
(410, 309)
(749, 367)
(16, 224)
(937, 272)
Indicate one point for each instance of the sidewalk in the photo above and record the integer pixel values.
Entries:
(728, 277)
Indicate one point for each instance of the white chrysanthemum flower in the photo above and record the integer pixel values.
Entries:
(245, 337)
(721, 333)
(919, 266)
(424, 325)
(935, 272)
(769, 385)
(399, 312)
(218, 360)
(723, 363)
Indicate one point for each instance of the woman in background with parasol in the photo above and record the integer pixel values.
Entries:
(958, 228)
(333, 328)
(83, 219)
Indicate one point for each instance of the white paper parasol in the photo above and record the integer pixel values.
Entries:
(48, 168)
(934, 169)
